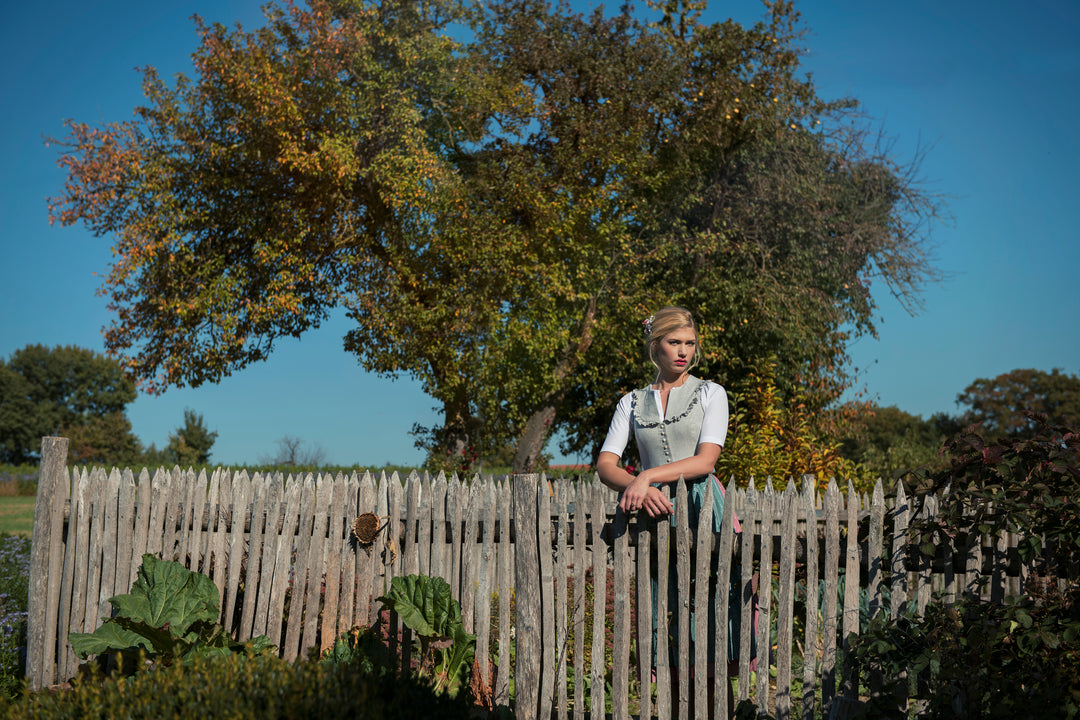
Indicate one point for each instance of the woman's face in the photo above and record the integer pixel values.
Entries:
(675, 351)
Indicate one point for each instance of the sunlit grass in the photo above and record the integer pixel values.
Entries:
(17, 515)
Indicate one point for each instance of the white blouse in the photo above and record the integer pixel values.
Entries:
(713, 427)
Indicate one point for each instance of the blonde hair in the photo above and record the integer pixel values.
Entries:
(668, 320)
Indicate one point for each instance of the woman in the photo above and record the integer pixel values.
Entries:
(680, 424)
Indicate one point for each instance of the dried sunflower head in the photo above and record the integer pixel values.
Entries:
(366, 527)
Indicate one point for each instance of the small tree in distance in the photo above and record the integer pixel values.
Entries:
(295, 452)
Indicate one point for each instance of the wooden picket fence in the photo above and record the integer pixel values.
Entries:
(546, 563)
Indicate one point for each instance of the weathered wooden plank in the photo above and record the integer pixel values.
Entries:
(582, 562)
(159, 495)
(369, 562)
(110, 497)
(98, 502)
(410, 552)
(261, 489)
(470, 557)
(71, 591)
(562, 570)
(750, 522)
(41, 610)
(350, 550)
(852, 573)
(300, 571)
(547, 600)
(393, 568)
(725, 542)
(423, 530)
(213, 492)
(241, 496)
(456, 500)
(501, 685)
(875, 549)
(898, 589)
(486, 581)
(643, 541)
(766, 519)
(143, 500)
(125, 532)
(440, 550)
(56, 649)
(316, 569)
(174, 507)
(702, 543)
(599, 570)
(194, 549)
(923, 588)
(279, 579)
(832, 574)
(527, 669)
(217, 542)
(786, 600)
(620, 670)
(267, 550)
(336, 530)
(810, 621)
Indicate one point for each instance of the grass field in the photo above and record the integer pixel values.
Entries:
(17, 515)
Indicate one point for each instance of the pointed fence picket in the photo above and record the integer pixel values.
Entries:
(547, 565)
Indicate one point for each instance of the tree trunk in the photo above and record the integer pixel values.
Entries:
(538, 427)
(531, 443)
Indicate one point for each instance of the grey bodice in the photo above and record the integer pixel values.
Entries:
(664, 440)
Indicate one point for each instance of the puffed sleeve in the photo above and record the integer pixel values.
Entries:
(715, 425)
(619, 431)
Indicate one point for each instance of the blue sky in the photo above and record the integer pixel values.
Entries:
(988, 87)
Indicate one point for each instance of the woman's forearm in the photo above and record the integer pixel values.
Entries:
(703, 462)
(609, 472)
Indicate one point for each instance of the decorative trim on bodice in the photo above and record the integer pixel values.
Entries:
(695, 398)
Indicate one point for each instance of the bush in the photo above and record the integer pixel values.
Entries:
(14, 581)
(983, 659)
(263, 687)
(976, 659)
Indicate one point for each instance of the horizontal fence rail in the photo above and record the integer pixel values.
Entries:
(548, 565)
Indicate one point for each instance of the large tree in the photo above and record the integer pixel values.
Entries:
(498, 214)
(999, 403)
(69, 390)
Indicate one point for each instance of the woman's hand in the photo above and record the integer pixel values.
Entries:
(640, 495)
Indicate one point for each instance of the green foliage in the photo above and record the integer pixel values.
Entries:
(886, 442)
(14, 583)
(264, 686)
(170, 616)
(1027, 486)
(497, 214)
(427, 607)
(769, 437)
(363, 647)
(975, 659)
(65, 390)
(991, 659)
(191, 443)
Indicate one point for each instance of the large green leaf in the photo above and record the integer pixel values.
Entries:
(109, 637)
(425, 605)
(168, 595)
(454, 668)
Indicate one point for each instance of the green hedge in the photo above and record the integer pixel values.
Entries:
(261, 688)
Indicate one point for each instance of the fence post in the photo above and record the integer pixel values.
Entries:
(42, 608)
(526, 573)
